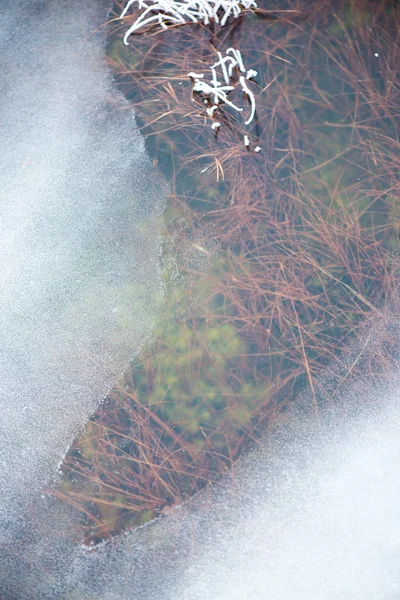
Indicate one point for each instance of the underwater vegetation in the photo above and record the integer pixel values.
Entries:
(284, 255)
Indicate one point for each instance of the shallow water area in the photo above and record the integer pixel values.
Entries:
(274, 258)
(268, 265)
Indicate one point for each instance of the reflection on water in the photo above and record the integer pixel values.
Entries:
(283, 254)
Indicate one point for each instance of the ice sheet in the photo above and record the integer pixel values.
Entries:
(80, 284)
(311, 515)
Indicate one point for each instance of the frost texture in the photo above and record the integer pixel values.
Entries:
(80, 286)
(170, 12)
(314, 517)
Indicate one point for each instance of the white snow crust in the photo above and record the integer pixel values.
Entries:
(80, 286)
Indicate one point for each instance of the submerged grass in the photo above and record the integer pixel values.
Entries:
(284, 254)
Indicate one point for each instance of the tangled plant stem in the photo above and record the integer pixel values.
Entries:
(307, 235)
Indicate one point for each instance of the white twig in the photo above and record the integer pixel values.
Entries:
(217, 93)
(251, 73)
(211, 109)
(170, 12)
(238, 60)
(250, 96)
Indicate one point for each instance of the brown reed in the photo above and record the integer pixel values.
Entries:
(301, 242)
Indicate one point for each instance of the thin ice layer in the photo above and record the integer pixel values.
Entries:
(314, 515)
(80, 285)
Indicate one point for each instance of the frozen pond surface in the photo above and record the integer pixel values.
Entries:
(315, 518)
(80, 285)
(313, 514)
